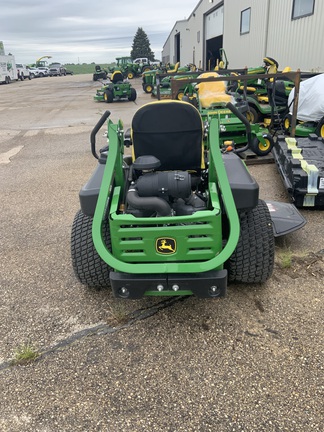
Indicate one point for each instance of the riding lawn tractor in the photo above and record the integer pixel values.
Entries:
(210, 98)
(116, 89)
(180, 216)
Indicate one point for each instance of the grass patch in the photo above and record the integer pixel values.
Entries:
(25, 353)
(84, 68)
(118, 313)
(285, 259)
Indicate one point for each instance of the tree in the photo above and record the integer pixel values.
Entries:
(141, 46)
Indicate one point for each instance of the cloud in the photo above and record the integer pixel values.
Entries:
(82, 31)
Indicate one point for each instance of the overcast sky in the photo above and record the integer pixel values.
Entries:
(85, 31)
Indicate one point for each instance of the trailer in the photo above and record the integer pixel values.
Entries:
(8, 69)
(300, 163)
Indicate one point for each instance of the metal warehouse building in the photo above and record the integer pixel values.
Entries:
(291, 31)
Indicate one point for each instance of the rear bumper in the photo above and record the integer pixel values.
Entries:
(209, 284)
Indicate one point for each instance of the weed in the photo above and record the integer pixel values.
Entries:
(119, 313)
(285, 259)
(25, 353)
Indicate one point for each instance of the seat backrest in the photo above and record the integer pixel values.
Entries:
(212, 92)
(277, 94)
(176, 67)
(117, 77)
(272, 69)
(172, 131)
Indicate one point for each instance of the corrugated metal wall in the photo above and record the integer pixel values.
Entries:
(248, 49)
(295, 43)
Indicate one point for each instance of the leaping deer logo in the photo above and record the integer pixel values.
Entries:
(166, 245)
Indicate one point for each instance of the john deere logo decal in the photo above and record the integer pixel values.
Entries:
(166, 245)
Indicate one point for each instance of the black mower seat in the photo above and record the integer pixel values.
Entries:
(117, 77)
(172, 131)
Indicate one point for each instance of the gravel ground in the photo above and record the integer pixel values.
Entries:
(250, 362)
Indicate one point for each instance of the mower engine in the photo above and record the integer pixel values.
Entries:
(164, 193)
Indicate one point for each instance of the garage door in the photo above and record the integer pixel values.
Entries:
(214, 23)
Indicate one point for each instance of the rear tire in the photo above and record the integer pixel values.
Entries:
(88, 267)
(253, 258)
(132, 95)
(108, 96)
(287, 123)
(252, 115)
(320, 128)
(180, 95)
(148, 88)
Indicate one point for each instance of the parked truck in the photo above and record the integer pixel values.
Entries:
(8, 70)
(23, 71)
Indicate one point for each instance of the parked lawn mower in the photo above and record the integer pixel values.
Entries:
(256, 92)
(310, 113)
(99, 73)
(259, 86)
(116, 89)
(272, 108)
(149, 77)
(150, 83)
(162, 89)
(304, 128)
(178, 217)
(211, 97)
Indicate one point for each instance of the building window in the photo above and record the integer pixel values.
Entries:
(302, 8)
(245, 21)
(198, 36)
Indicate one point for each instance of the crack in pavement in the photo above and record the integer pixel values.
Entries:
(101, 329)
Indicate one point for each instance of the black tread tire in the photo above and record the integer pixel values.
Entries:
(252, 115)
(180, 94)
(287, 123)
(108, 96)
(88, 267)
(148, 88)
(253, 259)
(133, 95)
(320, 128)
(258, 148)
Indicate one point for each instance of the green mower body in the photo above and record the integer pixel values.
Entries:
(117, 89)
(304, 129)
(178, 217)
(99, 73)
(210, 97)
